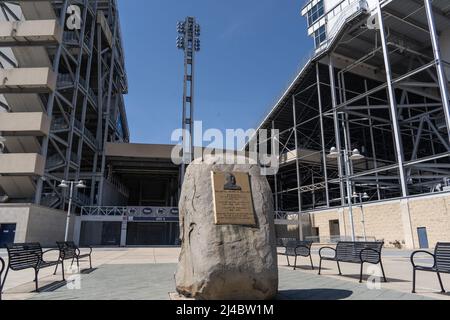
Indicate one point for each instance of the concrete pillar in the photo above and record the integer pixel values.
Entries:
(407, 225)
(123, 232)
(77, 230)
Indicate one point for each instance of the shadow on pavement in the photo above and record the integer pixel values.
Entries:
(29, 287)
(52, 286)
(304, 268)
(88, 271)
(314, 294)
(366, 278)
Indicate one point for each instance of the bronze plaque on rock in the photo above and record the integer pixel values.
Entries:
(233, 202)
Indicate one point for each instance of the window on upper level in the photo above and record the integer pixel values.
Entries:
(320, 35)
(316, 13)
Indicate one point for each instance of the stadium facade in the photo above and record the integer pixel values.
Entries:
(63, 118)
(364, 126)
(364, 129)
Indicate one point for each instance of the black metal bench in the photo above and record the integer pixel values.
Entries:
(70, 251)
(441, 263)
(22, 256)
(2, 268)
(355, 252)
(295, 248)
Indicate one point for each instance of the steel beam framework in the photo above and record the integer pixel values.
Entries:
(389, 93)
(87, 108)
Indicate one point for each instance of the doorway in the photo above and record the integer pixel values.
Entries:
(335, 230)
(423, 238)
(7, 234)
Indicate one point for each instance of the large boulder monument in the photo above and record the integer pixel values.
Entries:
(227, 232)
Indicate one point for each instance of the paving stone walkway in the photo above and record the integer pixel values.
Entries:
(156, 281)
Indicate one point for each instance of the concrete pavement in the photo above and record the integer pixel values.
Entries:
(147, 273)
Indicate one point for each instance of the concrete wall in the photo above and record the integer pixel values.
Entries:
(18, 214)
(47, 226)
(36, 223)
(394, 221)
(434, 214)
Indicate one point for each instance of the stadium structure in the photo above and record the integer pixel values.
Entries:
(63, 119)
(364, 126)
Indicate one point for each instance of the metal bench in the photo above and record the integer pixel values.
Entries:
(355, 252)
(441, 263)
(70, 251)
(2, 268)
(22, 256)
(295, 248)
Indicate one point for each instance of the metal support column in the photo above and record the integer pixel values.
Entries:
(322, 133)
(372, 139)
(275, 180)
(443, 81)
(336, 129)
(51, 102)
(348, 182)
(297, 164)
(393, 105)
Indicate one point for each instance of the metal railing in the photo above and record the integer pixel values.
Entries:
(104, 211)
(119, 211)
(336, 239)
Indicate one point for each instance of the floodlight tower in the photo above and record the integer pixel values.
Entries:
(188, 40)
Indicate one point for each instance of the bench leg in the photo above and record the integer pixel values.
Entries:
(312, 264)
(36, 281)
(2, 282)
(414, 280)
(90, 262)
(382, 270)
(361, 273)
(287, 258)
(62, 266)
(440, 282)
(73, 260)
(320, 266)
(56, 269)
(339, 268)
(295, 263)
(78, 264)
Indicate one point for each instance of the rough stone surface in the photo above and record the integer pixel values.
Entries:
(225, 262)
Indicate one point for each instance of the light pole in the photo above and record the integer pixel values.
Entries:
(354, 155)
(362, 197)
(188, 40)
(72, 185)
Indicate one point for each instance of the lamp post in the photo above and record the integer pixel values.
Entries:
(361, 197)
(72, 185)
(354, 155)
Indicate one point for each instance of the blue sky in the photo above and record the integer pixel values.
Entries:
(251, 49)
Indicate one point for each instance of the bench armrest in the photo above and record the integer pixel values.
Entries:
(2, 268)
(88, 247)
(327, 248)
(369, 249)
(422, 252)
(50, 250)
(302, 246)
